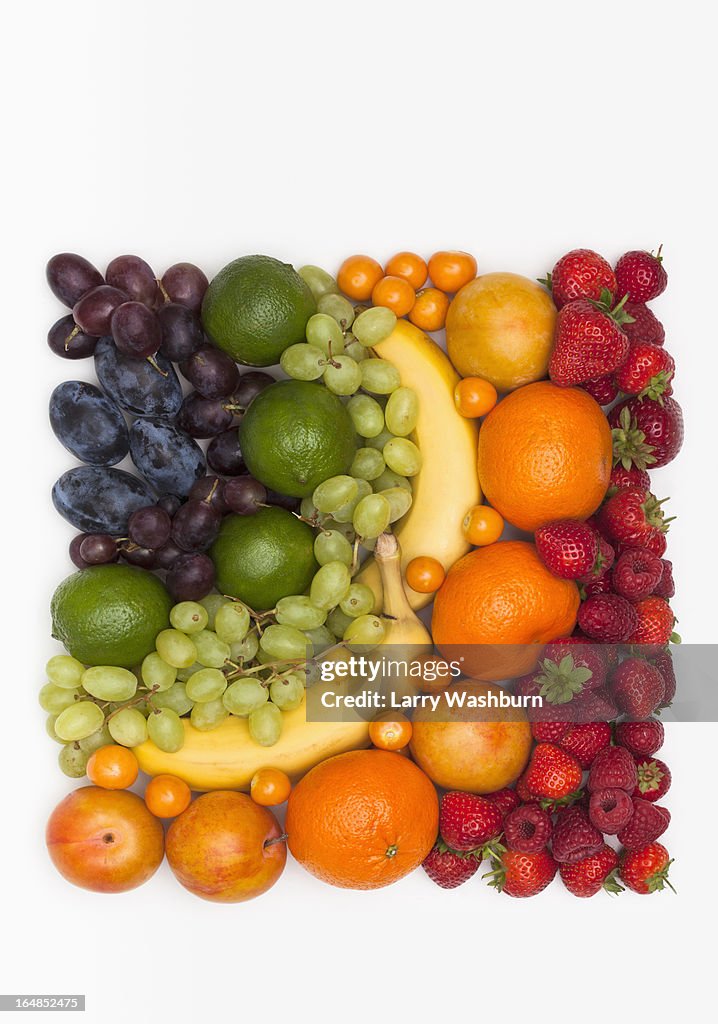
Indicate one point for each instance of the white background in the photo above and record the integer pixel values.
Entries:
(204, 131)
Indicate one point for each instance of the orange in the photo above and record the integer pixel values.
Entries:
(410, 266)
(390, 733)
(358, 275)
(450, 271)
(482, 525)
(167, 796)
(113, 767)
(424, 574)
(545, 453)
(475, 397)
(362, 820)
(497, 606)
(429, 311)
(269, 787)
(395, 293)
(501, 327)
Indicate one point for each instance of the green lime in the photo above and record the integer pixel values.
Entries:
(295, 435)
(256, 307)
(264, 557)
(110, 614)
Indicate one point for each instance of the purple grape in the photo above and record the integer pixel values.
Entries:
(98, 549)
(67, 340)
(283, 501)
(210, 372)
(150, 527)
(195, 526)
(168, 554)
(185, 283)
(93, 312)
(204, 417)
(224, 454)
(181, 332)
(170, 503)
(145, 558)
(210, 490)
(250, 384)
(135, 330)
(70, 276)
(244, 495)
(191, 577)
(135, 278)
(75, 556)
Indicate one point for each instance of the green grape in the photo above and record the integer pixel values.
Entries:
(390, 479)
(299, 612)
(211, 651)
(166, 730)
(337, 620)
(205, 685)
(128, 727)
(364, 632)
(175, 699)
(320, 638)
(100, 738)
(345, 529)
(355, 349)
(345, 513)
(183, 674)
(73, 761)
(399, 501)
(342, 375)
(371, 516)
(209, 715)
(246, 649)
(78, 721)
(380, 441)
(325, 333)
(329, 546)
(265, 725)
(285, 642)
(50, 728)
(374, 325)
(318, 281)
(334, 493)
(287, 693)
(265, 658)
(107, 682)
(368, 464)
(402, 411)
(366, 415)
(211, 604)
(54, 699)
(359, 601)
(303, 362)
(308, 509)
(189, 617)
(330, 585)
(156, 673)
(402, 456)
(232, 622)
(65, 671)
(338, 308)
(175, 648)
(379, 376)
(244, 696)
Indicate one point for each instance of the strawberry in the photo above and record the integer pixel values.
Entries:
(631, 477)
(654, 542)
(588, 876)
(580, 274)
(574, 837)
(607, 617)
(584, 652)
(665, 588)
(559, 681)
(584, 740)
(645, 327)
(599, 585)
(568, 548)
(527, 829)
(549, 732)
(588, 343)
(655, 622)
(613, 768)
(610, 810)
(522, 790)
(646, 372)
(640, 738)
(552, 774)
(647, 823)
(602, 389)
(467, 821)
(664, 663)
(637, 687)
(448, 868)
(636, 574)
(595, 706)
(645, 870)
(632, 516)
(646, 432)
(522, 874)
(505, 799)
(640, 275)
(654, 778)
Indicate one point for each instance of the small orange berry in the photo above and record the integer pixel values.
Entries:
(269, 787)
(482, 525)
(452, 270)
(357, 277)
(475, 397)
(390, 735)
(395, 293)
(167, 796)
(425, 574)
(410, 266)
(113, 767)
(430, 309)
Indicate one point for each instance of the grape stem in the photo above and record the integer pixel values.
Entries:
(153, 363)
(144, 696)
(75, 330)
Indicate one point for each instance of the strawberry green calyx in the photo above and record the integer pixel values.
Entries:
(497, 875)
(562, 681)
(659, 879)
(650, 777)
(476, 854)
(630, 447)
(562, 801)
(546, 281)
(612, 885)
(618, 314)
(656, 387)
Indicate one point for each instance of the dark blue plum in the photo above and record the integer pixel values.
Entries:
(100, 500)
(168, 459)
(135, 384)
(88, 424)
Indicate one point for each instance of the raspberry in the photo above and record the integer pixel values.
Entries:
(637, 573)
(607, 617)
(575, 837)
(527, 829)
(610, 809)
(665, 588)
(613, 768)
(645, 327)
(641, 738)
(505, 799)
(647, 823)
(585, 740)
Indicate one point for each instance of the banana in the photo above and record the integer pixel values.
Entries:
(227, 757)
(447, 485)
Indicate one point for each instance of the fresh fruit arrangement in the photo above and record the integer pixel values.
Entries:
(237, 527)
